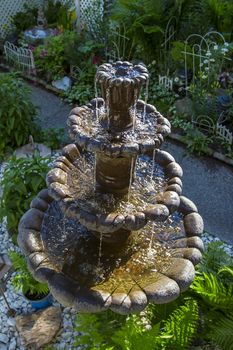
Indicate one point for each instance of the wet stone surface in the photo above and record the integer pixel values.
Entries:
(93, 263)
(96, 125)
(148, 177)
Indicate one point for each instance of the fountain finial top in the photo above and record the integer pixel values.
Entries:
(122, 73)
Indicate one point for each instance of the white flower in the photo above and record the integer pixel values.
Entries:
(206, 69)
(224, 50)
(215, 47)
(204, 76)
(206, 61)
(226, 44)
(212, 60)
(208, 53)
(201, 64)
(176, 79)
(153, 62)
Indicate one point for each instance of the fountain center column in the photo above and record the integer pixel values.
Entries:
(120, 85)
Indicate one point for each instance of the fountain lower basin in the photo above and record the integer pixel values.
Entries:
(89, 276)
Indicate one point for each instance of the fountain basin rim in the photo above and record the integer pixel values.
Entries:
(69, 293)
(123, 148)
(167, 201)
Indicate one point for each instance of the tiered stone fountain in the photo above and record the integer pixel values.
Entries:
(112, 230)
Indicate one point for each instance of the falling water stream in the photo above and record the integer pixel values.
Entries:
(107, 106)
(132, 173)
(100, 248)
(134, 109)
(146, 99)
(94, 173)
(153, 164)
(96, 100)
(151, 239)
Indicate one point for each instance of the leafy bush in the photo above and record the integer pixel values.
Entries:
(16, 112)
(54, 138)
(197, 142)
(22, 179)
(57, 14)
(142, 22)
(50, 60)
(23, 280)
(54, 58)
(83, 90)
(25, 19)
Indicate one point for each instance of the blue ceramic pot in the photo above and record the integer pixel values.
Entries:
(41, 303)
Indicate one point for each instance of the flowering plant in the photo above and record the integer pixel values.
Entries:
(52, 58)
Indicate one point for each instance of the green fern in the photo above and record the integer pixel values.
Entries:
(228, 270)
(221, 332)
(214, 258)
(182, 325)
(133, 335)
(213, 292)
(23, 280)
(97, 329)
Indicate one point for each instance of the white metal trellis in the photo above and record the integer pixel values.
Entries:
(169, 35)
(201, 51)
(204, 123)
(88, 11)
(9, 8)
(20, 57)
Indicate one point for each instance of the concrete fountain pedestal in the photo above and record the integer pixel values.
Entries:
(113, 231)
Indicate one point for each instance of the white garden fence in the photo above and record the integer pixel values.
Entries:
(206, 124)
(20, 57)
(224, 133)
(166, 82)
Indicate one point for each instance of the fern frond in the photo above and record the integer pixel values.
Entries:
(214, 258)
(182, 325)
(221, 332)
(213, 291)
(18, 261)
(227, 270)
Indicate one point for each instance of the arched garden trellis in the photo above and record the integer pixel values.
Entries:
(201, 53)
(169, 36)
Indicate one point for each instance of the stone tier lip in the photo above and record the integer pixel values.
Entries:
(140, 145)
(68, 292)
(122, 73)
(167, 201)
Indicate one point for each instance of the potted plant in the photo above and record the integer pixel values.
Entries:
(36, 292)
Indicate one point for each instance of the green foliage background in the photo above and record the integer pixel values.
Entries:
(22, 179)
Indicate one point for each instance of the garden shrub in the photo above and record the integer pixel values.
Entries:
(17, 113)
(22, 179)
(25, 19)
(50, 60)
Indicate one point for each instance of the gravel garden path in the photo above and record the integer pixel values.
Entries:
(206, 181)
